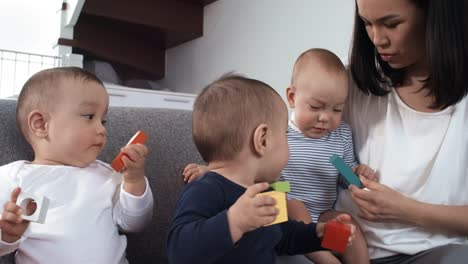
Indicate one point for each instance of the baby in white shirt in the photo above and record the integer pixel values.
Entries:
(61, 114)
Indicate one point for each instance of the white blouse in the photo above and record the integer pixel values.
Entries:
(422, 155)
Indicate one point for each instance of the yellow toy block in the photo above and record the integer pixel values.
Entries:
(280, 198)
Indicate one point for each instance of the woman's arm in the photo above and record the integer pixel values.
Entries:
(444, 218)
(382, 204)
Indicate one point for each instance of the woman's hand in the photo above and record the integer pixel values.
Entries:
(379, 203)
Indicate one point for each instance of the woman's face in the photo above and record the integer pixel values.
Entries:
(397, 29)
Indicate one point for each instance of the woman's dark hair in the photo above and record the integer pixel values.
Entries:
(446, 47)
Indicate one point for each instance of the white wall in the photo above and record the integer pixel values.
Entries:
(30, 25)
(258, 38)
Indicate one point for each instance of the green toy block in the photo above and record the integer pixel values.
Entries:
(281, 186)
(345, 171)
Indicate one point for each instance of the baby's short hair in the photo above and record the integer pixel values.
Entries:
(324, 58)
(43, 89)
(227, 112)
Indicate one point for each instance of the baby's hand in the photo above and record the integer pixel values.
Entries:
(251, 211)
(366, 172)
(133, 175)
(12, 224)
(194, 171)
(342, 218)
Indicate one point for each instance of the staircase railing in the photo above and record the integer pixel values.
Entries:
(16, 67)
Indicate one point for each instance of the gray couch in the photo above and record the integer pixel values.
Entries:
(171, 148)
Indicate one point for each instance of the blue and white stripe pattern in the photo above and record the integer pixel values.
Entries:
(312, 177)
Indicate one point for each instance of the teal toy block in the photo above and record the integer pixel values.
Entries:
(345, 171)
(281, 186)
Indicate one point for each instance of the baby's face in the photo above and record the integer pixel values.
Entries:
(76, 127)
(318, 99)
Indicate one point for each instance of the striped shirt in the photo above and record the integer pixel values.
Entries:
(312, 177)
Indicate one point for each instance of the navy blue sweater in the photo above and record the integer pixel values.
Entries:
(200, 232)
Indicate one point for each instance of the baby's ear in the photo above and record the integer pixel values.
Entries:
(291, 96)
(37, 123)
(260, 137)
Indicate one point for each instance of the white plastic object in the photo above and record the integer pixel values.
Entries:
(42, 206)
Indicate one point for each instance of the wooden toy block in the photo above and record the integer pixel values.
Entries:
(42, 205)
(345, 171)
(281, 186)
(140, 137)
(336, 236)
(280, 198)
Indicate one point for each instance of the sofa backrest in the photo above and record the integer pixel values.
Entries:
(170, 149)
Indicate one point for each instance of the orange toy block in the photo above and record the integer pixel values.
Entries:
(336, 236)
(140, 137)
(280, 198)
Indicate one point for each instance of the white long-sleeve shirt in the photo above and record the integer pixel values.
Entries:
(88, 207)
(421, 155)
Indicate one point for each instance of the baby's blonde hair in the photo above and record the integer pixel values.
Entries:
(227, 112)
(322, 57)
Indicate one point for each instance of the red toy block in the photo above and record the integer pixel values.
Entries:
(336, 236)
(140, 137)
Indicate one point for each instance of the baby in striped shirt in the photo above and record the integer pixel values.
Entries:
(317, 95)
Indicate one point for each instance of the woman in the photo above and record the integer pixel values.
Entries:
(409, 114)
